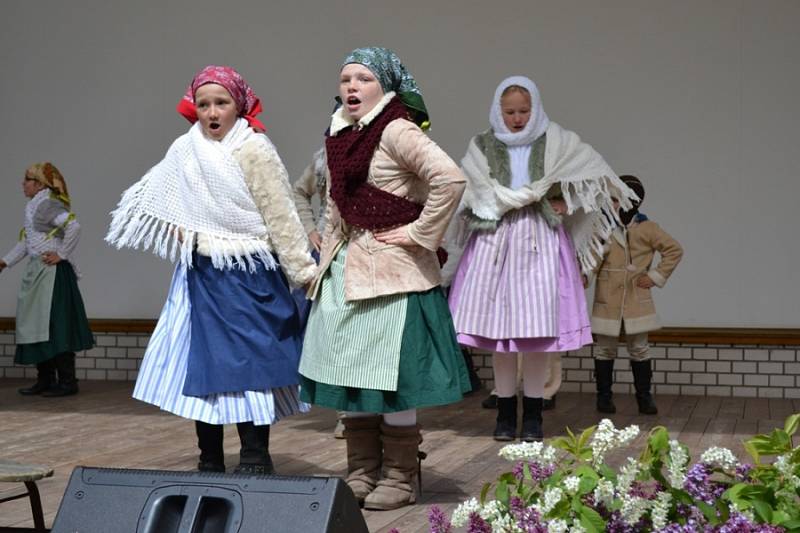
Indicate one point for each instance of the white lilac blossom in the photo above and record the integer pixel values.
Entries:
(633, 507)
(577, 528)
(676, 465)
(530, 451)
(604, 492)
(606, 437)
(786, 469)
(660, 510)
(462, 512)
(492, 511)
(552, 496)
(720, 457)
(505, 524)
(627, 474)
(572, 483)
(557, 526)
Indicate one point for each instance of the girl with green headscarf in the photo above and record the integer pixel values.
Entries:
(380, 341)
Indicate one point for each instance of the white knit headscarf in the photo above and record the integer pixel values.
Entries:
(535, 127)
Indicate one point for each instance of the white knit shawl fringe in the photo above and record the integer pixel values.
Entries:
(147, 214)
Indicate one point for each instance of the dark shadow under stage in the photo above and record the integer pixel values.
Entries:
(103, 426)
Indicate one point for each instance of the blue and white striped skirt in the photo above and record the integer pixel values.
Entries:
(163, 372)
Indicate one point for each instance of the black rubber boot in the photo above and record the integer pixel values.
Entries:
(254, 454)
(67, 382)
(642, 375)
(490, 402)
(604, 378)
(548, 404)
(45, 379)
(532, 419)
(506, 428)
(209, 440)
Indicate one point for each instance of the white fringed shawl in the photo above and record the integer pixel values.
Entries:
(587, 184)
(197, 189)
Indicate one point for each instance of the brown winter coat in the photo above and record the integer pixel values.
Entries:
(628, 255)
(406, 163)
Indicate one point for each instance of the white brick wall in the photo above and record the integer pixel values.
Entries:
(705, 370)
(708, 370)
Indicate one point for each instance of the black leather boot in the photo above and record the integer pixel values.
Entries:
(254, 454)
(532, 419)
(506, 428)
(209, 440)
(604, 378)
(67, 382)
(45, 379)
(642, 375)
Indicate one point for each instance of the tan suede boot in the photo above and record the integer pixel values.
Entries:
(400, 453)
(363, 436)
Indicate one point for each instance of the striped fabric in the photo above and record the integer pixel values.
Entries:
(353, 344)
(510, 287)
(163, 371)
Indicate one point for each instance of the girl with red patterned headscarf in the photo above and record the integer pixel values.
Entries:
(227, 344)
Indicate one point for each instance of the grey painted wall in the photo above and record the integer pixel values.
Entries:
(699, 98)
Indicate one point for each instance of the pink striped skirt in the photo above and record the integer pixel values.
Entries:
(519, 289)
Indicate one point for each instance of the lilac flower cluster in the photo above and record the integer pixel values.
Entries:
(743, 472)
(616, 524)
(538, 472)
(438, 521)
(528, 518)
(699, 485)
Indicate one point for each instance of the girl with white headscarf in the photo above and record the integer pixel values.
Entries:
(534, 200)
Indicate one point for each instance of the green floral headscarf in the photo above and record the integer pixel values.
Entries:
(393, 76)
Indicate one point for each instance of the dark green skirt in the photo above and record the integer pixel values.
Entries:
(431, 368)
(69, 327)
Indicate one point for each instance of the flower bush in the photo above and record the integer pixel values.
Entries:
(565, 486)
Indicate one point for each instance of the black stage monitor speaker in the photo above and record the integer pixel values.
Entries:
(107, 500)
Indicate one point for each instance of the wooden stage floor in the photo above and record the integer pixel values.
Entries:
(103, 426)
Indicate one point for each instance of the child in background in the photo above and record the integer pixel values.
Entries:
(533, 202)
(51, 320)
(622, 300)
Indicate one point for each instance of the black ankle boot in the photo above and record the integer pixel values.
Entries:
(548, 404)
(254, 454)
(604, 378)
(209, 440)
(67, 382)
(532, 419)
(45, 379)
(642, 376)
(506, 428)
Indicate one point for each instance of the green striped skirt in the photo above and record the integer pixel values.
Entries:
(382, 355)
(69, 327)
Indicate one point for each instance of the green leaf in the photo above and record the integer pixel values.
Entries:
(791, 424)
(485, 491)
(710, 512)
(751, 449)
(659, 439)
(591, 520)
(501, 492)
(763, 511)
(586, 435)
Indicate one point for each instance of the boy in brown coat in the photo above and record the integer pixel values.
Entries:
(622, 300)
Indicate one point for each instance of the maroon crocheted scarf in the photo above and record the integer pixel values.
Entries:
(349, 155)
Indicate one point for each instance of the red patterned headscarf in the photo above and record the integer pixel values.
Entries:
(247, 103)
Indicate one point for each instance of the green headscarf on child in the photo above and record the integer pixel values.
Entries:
(393, 76)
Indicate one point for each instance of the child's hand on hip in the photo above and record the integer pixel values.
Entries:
(51, 258)
(645, 282)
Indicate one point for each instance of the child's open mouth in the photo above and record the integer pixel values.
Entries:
(353, 100)
(214, 126)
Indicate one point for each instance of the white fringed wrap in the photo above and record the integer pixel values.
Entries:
(198, 189)
(587, 184)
